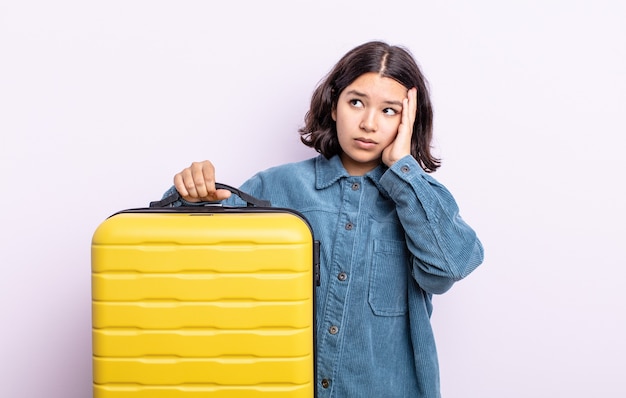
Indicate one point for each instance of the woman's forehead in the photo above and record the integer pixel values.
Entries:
(374, 85)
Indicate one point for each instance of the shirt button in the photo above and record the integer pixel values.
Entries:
(333, 329)
(355, 186)
(349, 226)
(342, 276)
(325, 383)
(405, 169)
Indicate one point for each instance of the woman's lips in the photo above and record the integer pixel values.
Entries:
(365, 143)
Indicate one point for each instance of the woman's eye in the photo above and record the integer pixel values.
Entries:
(356, 103)
(390, 111)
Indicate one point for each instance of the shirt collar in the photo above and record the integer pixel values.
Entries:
(329, 171)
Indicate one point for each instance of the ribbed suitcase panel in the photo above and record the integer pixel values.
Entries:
(177, 371)
(151, 257)
(232, 229)
(133, 286)
(203, 391)
(209, 315)
(202, 343)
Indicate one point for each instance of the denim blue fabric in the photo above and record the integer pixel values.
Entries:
(389, 240)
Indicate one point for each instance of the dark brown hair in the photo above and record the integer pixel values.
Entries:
(320, 131)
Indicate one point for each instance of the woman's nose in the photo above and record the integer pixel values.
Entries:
(368, 123)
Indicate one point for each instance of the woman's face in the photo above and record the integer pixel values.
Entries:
(367, 115)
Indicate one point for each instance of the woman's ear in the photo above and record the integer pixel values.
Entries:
(333, 113)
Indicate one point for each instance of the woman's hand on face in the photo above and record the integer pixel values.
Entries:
(196, 183)
(401, 146)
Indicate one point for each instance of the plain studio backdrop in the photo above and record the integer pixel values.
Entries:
(101, 103)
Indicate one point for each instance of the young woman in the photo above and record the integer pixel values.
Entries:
(391, 234)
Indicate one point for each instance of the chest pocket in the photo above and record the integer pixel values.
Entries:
(389, 275)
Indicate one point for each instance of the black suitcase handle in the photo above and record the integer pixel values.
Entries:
(249, 199)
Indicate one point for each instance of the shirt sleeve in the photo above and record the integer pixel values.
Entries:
(444, 248)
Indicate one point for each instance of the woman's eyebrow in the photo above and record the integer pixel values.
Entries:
(360, 94)
(397, 103)
(355, 92)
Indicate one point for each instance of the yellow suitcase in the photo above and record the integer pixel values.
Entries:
(206, 301)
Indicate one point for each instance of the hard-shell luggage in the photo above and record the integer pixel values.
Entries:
(204, 301)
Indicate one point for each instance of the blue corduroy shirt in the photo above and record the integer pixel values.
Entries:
(389, 240)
